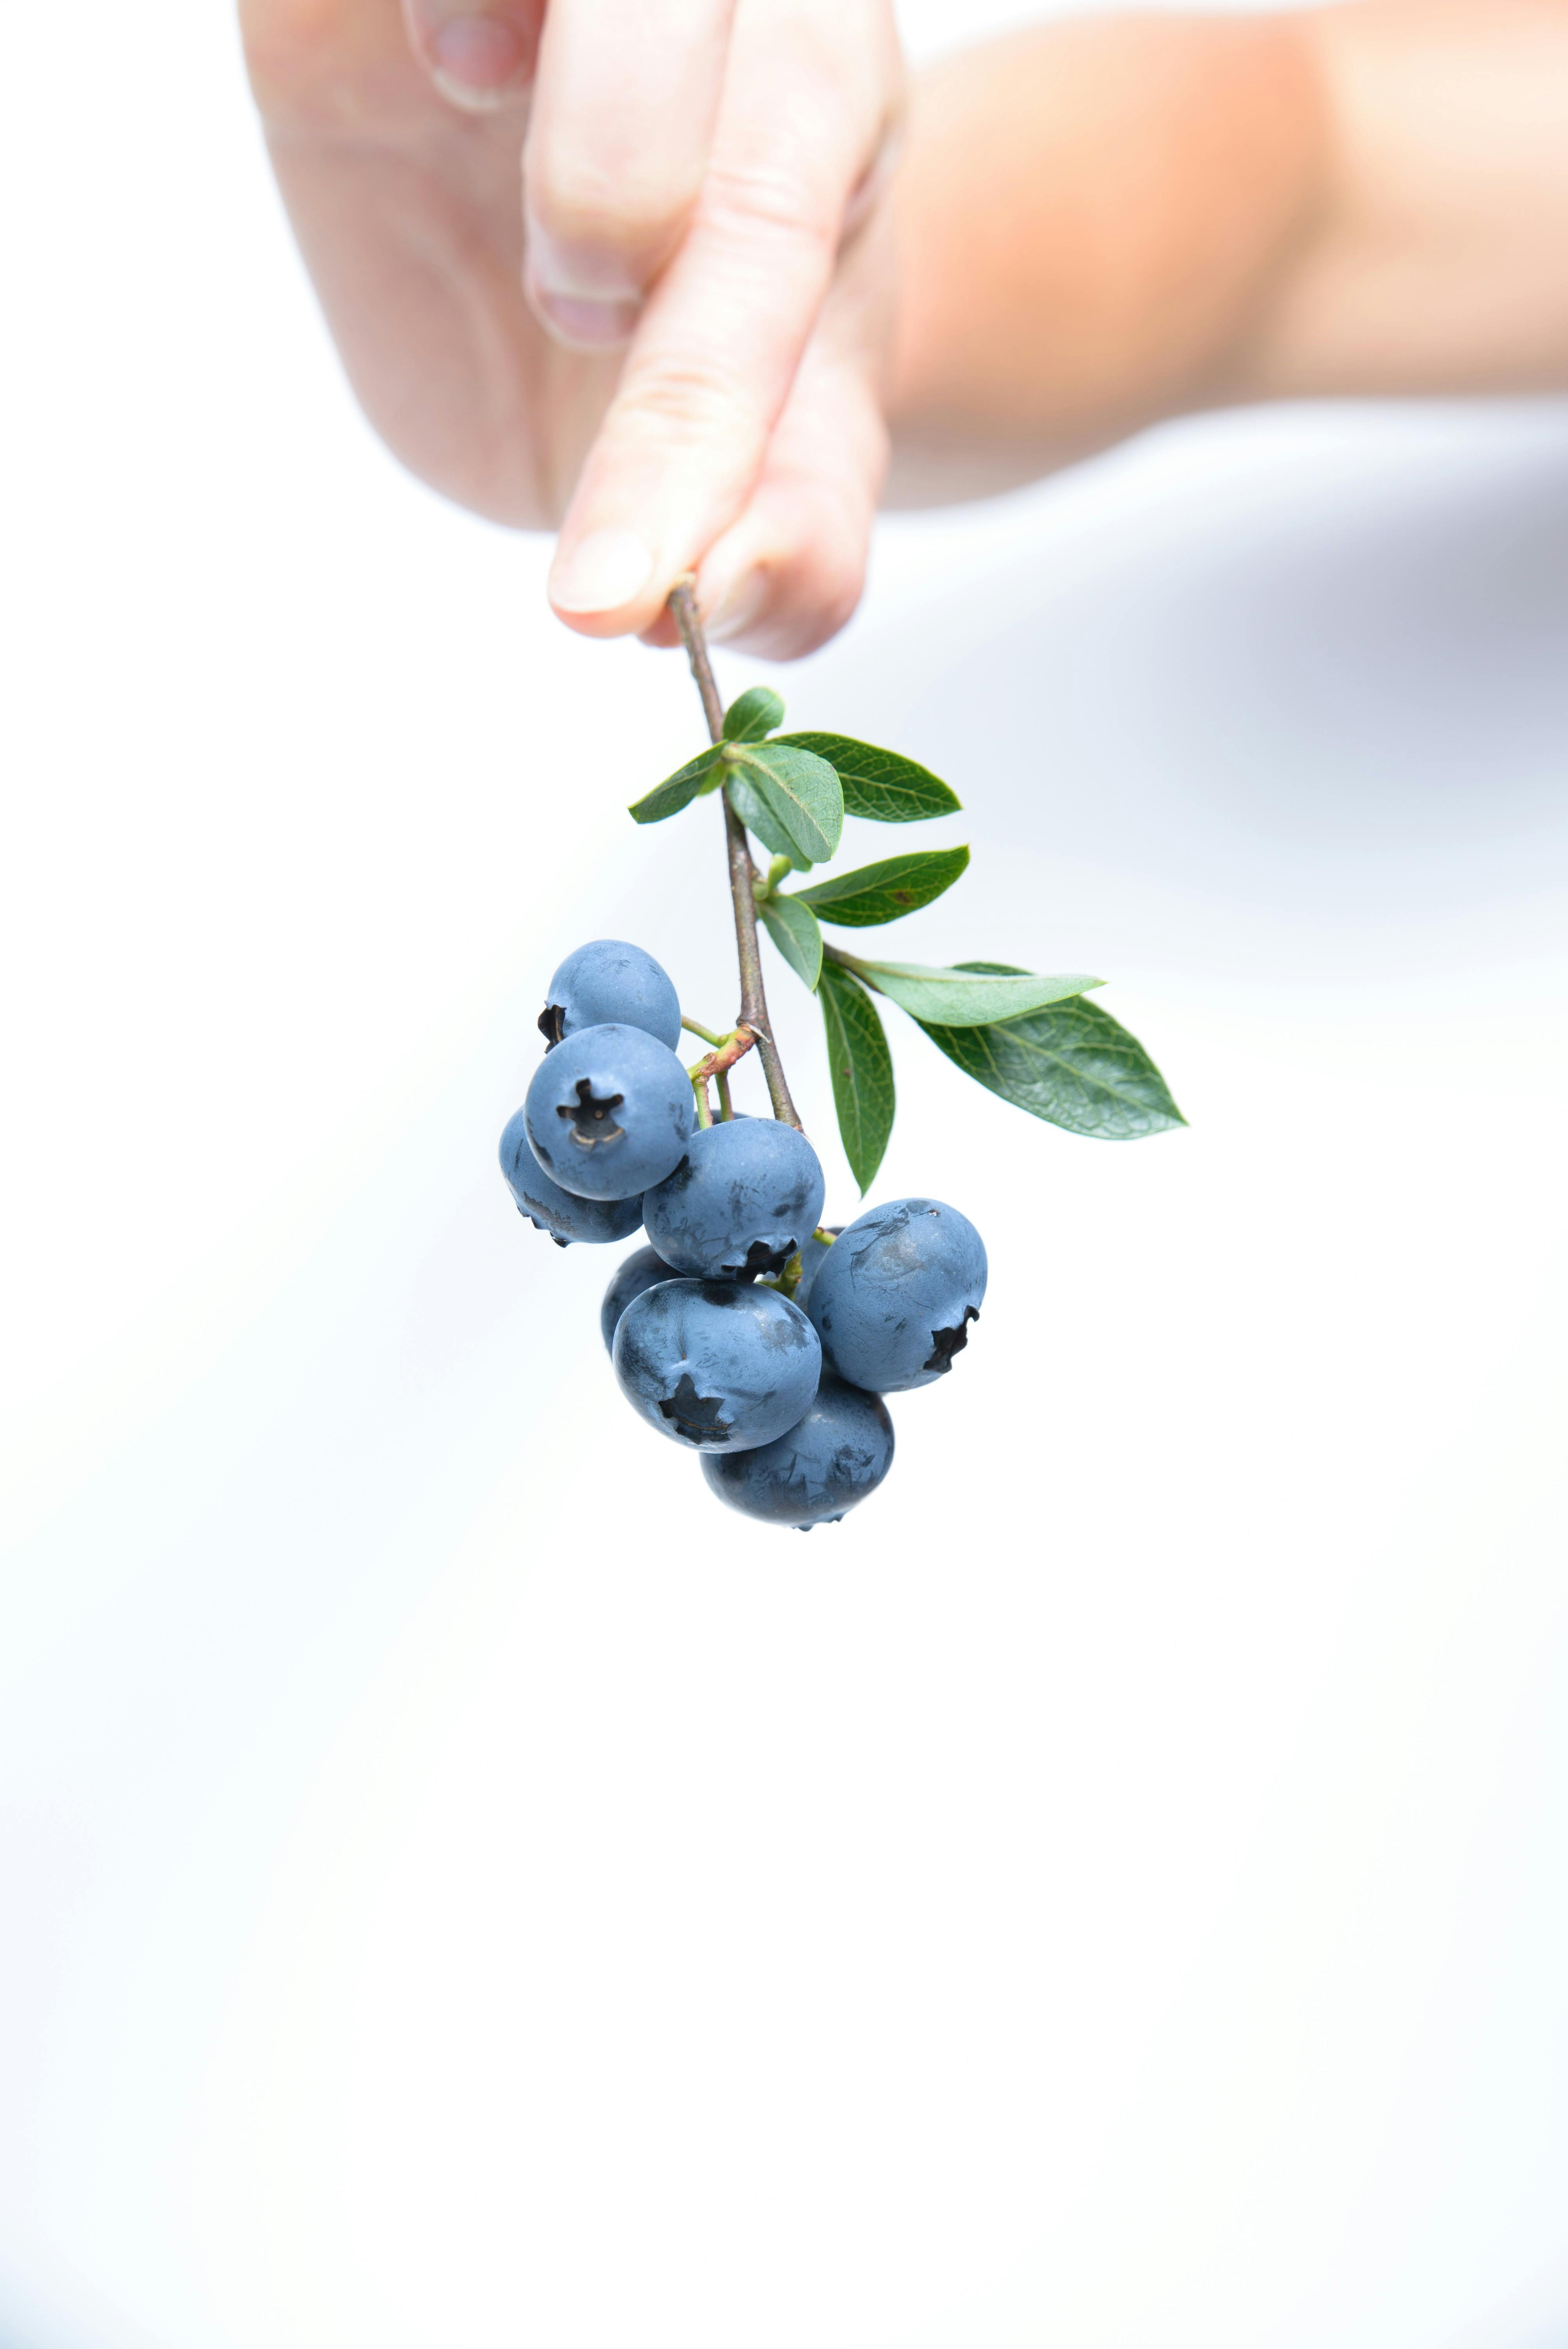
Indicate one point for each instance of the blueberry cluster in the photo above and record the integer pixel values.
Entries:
(745, 1331)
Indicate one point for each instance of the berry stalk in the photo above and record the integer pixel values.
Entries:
(743, 872)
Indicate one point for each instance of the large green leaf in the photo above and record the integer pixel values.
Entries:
(758, 818)
(678, 791)
(801, 793)
(753, 714)
(966, 995)
(862, 1069)
(879, 783)
(882, 893)
(1071, 1063)
(792, 927)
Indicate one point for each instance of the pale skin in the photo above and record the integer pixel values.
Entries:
(700, 282)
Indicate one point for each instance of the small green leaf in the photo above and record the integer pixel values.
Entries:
(753, 714)
(882, 893)
(878, 784)
(862, 1069)
(964, 996)
(801, 793)
(758, 818)
(678, 791)
(792, 927)
(1071, 1063)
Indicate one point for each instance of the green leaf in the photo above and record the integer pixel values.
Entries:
(882, 893)
(966, 995)
(755, 713)
(862, 1069)
(801, 792)
(758, 818)
(879, 783)
(792, 927)
(678, 791)
(1071, 1063)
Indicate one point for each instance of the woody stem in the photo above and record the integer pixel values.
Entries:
(742, 871)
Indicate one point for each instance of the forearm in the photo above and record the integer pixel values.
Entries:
(1106, 223)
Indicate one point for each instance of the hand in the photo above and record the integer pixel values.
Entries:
(618, 263)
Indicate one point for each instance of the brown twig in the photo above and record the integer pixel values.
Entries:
(719, 1062)
(742, 871)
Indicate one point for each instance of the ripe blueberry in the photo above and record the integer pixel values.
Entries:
(644, 1268)
(562, 1214)
(833, 1457)
(716, 1364)
(893, 1301)
(746, 1196)
(609, 1111)
(607, 981)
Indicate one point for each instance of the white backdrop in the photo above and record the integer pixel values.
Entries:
(460, 1886)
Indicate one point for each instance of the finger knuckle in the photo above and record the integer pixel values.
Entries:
(583, 202)
(771, 198)
(691, 399)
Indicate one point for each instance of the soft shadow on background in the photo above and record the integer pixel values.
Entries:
(458, 1886)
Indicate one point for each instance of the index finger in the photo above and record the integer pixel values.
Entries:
(708, 375)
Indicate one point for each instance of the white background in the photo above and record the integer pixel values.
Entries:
(458, 1885)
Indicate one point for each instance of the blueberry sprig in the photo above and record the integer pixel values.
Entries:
(747, 1330)
(1039, 1043)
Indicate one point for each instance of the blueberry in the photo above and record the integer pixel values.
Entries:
(609, 981)
(746, 1196)
(560, 1213)
(895, 1297)
(833, 1457)
(609, 1113)
(715, 1363)
(813, 1252)
(644, 1268)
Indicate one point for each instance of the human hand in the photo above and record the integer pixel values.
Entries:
(616, 265)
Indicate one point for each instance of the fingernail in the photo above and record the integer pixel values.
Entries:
(478, 62)
(602, 571)
(585, 323)
(583, 293)
(739, 606)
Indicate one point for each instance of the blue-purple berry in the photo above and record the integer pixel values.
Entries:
(836, 1453)
(644, 1268)
(717, 1365)
(609, 981)
(609, 1113)
(745, 1197)
(562, 1214)
(894, 1298)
